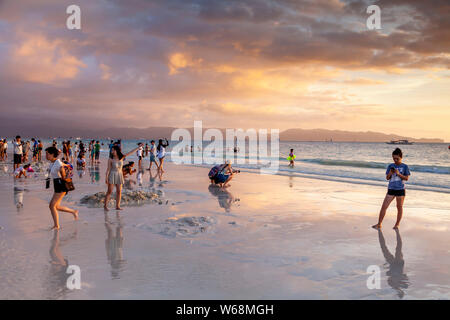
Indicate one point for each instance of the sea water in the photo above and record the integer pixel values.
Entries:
(354, 162)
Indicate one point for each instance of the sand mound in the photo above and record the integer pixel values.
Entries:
(129, 198)
(186, 226)
(181, 226)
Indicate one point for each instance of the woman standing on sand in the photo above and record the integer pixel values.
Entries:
(161, 152)
(114, 175)
(57, 172)
(397, 173)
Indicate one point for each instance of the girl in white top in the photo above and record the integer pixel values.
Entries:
(58, 174)
(161, 152)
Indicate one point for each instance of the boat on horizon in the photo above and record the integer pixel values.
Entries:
(403, 141)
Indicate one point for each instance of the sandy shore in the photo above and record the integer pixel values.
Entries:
(266, 237)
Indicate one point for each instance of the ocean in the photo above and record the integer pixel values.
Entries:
(359, 163)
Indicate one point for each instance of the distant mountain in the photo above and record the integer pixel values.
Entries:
(33, 128)
(347, 136)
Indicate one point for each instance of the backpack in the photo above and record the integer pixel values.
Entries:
(214, 171)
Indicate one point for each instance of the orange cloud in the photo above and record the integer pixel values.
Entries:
(39, 60)
(179, 61)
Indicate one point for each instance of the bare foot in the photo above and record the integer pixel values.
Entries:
(105, 208)
(75, 215)
(55, 228)
(377, 226)
(396, 227)
(118, 208)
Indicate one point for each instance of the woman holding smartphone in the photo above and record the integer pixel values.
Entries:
(397, 173)
(57, 172)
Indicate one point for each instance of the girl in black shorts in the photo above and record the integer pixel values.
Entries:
(397, 173)
(57, 173)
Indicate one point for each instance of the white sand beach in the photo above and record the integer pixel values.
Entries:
(265, 237)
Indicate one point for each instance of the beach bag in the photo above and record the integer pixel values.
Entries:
(214, 171)
(69, 184)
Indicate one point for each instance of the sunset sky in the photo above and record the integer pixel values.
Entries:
(240, 63)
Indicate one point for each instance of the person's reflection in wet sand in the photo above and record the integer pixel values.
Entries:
(291, 181)
(114, 246)
(81, 173)
(225, 198)
(97, 173)
(397, 279)
(152, 179)
(128, 184)
(91, 173)
(140, 177)
(18, 197)
(160, 176)
(57, 283)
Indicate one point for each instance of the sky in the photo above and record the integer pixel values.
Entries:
(230, 63)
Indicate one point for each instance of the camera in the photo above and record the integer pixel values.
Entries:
(47, 183)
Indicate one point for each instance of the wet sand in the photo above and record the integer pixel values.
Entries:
(265, 237)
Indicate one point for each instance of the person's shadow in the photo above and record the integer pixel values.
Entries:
(114, 246)
(397, 279)
(225, 198)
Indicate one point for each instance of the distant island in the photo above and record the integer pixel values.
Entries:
(10, 129)
(347, 136)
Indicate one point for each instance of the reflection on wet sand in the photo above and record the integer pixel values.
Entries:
(94, 173)
(114, 246)
(153, 181)
(56, 286)
(18, 197)
(397, 279)
(225, 198)
(81, 172)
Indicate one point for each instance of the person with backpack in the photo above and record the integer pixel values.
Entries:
(222, 174)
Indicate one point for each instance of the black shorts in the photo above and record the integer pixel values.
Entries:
(17, 158)
(97, 155)
(59, 185)
(397, 193)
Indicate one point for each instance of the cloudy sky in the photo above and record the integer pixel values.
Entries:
(230, 63)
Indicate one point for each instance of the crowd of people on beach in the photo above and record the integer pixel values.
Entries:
(60, 170)
(61, 167)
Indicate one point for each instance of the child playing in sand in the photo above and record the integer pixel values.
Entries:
(81, 161)
(397, 173)
(291, 158)
(128, 169)
(21, 171)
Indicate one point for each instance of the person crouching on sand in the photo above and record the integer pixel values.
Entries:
(222, 174)
(21, 171)
(114, 175)
(57, 172)
(397, 173)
